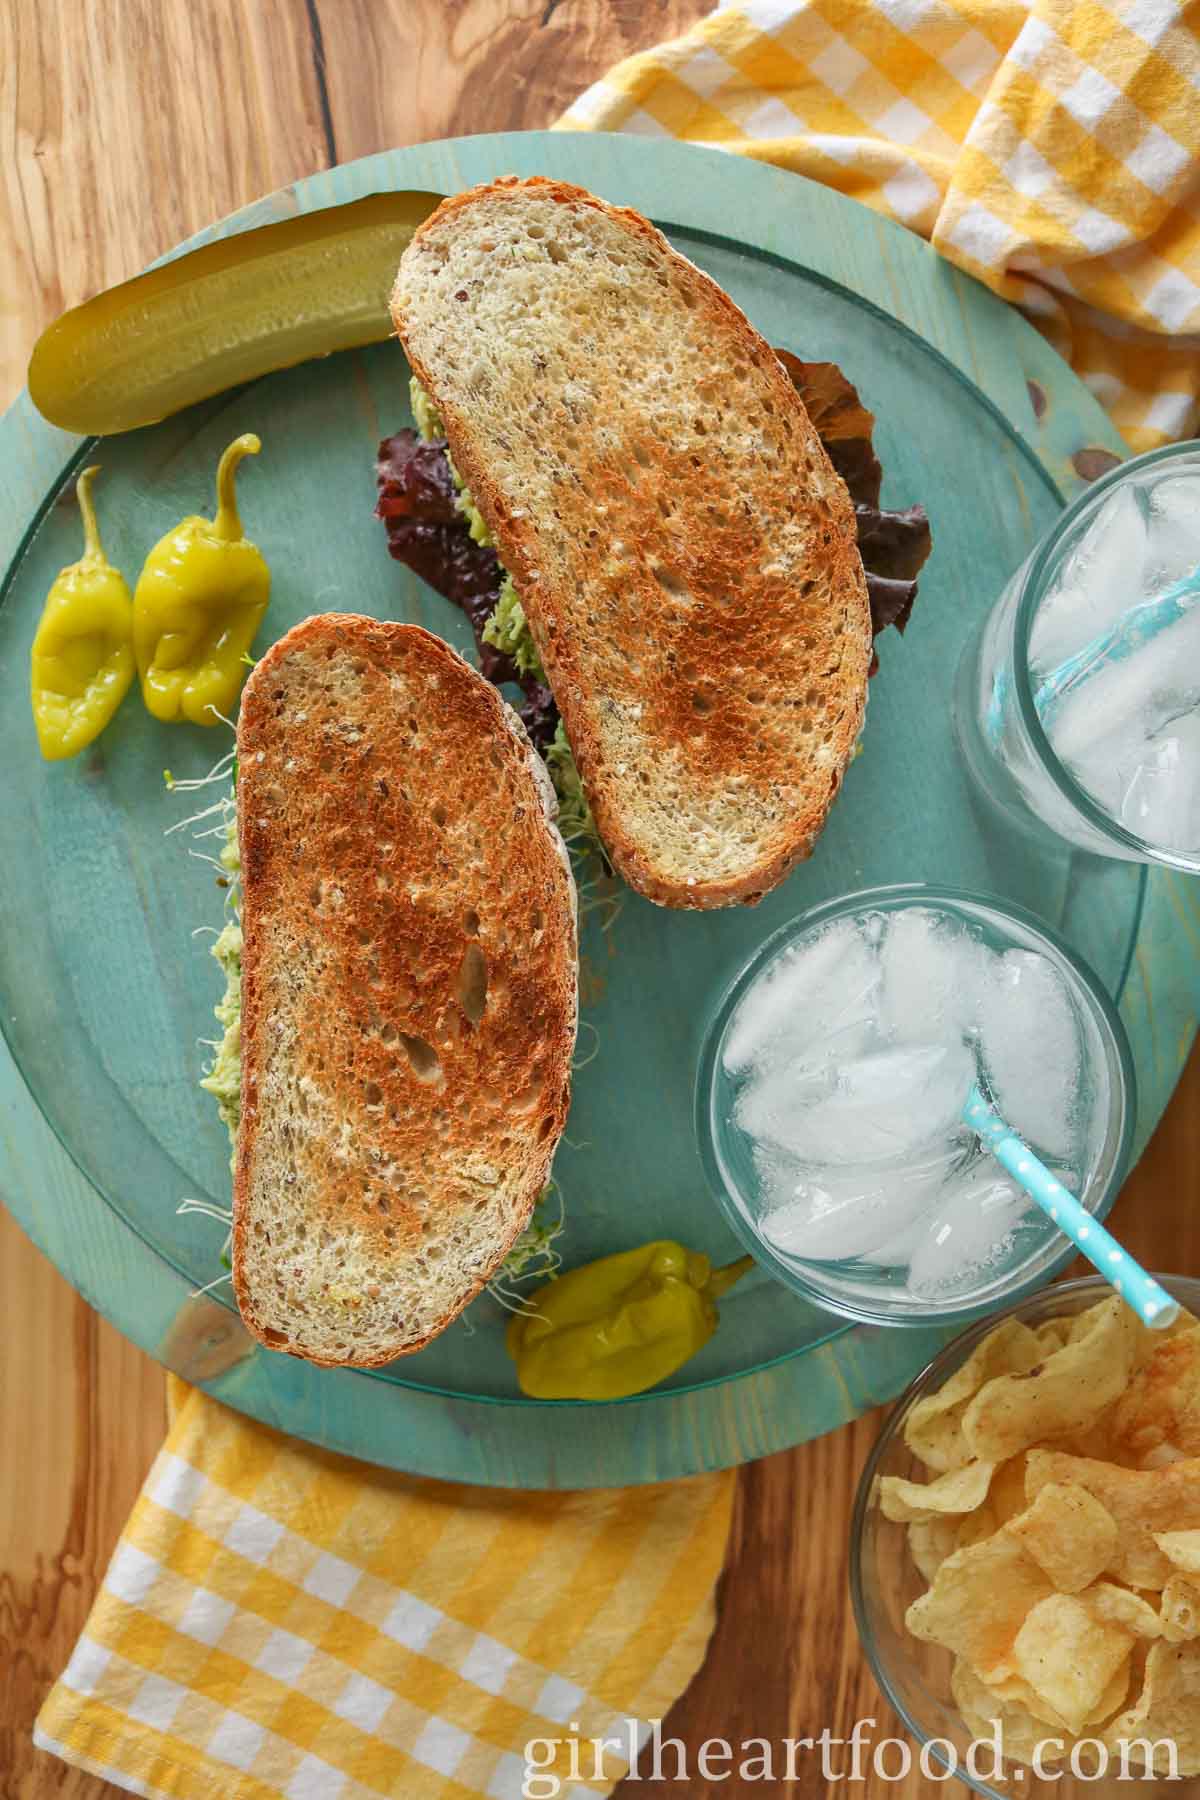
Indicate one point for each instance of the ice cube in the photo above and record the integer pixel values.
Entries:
(1031, 1050)
(897, 1251)
(815, 989)
(1101, 578)
(971, 1229)
(1174, 521)
(932, 970)
(1109, 724)
(885, 1106)
(1106, 706)
(1161, 798)
(773, 1096)
(835, 1215)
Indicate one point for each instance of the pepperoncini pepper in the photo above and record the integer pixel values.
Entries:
(82, 663)
(200, 599)
(617, 1326)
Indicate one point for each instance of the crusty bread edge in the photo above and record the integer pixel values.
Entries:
(756, 881)
(315, 628)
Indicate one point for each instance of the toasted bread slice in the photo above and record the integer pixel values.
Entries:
(684, 551)
(408, 989)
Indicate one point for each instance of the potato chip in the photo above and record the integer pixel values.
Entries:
(974, 1527)
(1160, 1457)
(1114, 1695)
(1064, 1393)
(1142, 1501)
(1061, 1538)
(1068, 1533)
(1052, 1335)
(979, 1600)
(1069, 1656)
(1082, 1324)
(1014, 1689)
(1006, 1496)
(957, 1491)
(1161, 1405)
(933, 1430)
(1021, 1733)
(931, 1541)
(1120, 1606)
(1181, 1549)
(1166, 1713)
(1180, 1609)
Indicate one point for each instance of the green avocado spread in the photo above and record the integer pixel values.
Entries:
(223, 1079)
(429, 424)
(507, 630)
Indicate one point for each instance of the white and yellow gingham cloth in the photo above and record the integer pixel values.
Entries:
(1050, 149)
(283, 1624)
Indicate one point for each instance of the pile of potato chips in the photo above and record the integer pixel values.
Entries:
(1060, 1533)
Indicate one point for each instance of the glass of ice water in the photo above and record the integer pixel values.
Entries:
(831, 1088)
(1077, 703)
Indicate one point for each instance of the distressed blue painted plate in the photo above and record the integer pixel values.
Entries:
(104, 992)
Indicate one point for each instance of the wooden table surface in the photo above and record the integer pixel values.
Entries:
(128, 124)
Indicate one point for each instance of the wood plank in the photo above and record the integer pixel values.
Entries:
(92, 1409)
(129, 125)
(405, 71)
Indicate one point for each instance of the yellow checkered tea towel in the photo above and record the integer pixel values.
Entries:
(1048, 148)
(281, 1622)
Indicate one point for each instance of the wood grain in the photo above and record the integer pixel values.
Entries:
(128, 124)
(82, 1413)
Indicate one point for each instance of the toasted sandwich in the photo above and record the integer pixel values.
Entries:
(408, 989)
(682, 551)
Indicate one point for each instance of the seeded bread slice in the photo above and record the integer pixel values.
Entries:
(408, 989)
(683, 548)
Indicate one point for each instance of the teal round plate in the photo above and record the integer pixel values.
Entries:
(105, 993)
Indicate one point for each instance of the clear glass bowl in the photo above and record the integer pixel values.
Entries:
(856, 1287)
(914, 1676)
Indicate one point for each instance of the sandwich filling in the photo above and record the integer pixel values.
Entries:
(505, 628)
(223, 1077)
(435, 527)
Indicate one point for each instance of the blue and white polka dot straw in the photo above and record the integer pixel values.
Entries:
(1153, 1305)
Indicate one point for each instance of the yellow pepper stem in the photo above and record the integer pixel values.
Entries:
(228, 523)
(92, 547)
(721, 1280)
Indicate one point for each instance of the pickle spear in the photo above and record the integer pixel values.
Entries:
(261, 300)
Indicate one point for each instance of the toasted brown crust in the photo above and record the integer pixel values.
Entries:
(393, 827)
(673, 661)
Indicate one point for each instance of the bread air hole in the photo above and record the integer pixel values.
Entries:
(671, 584)
(472, 982)
(422, 1058)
